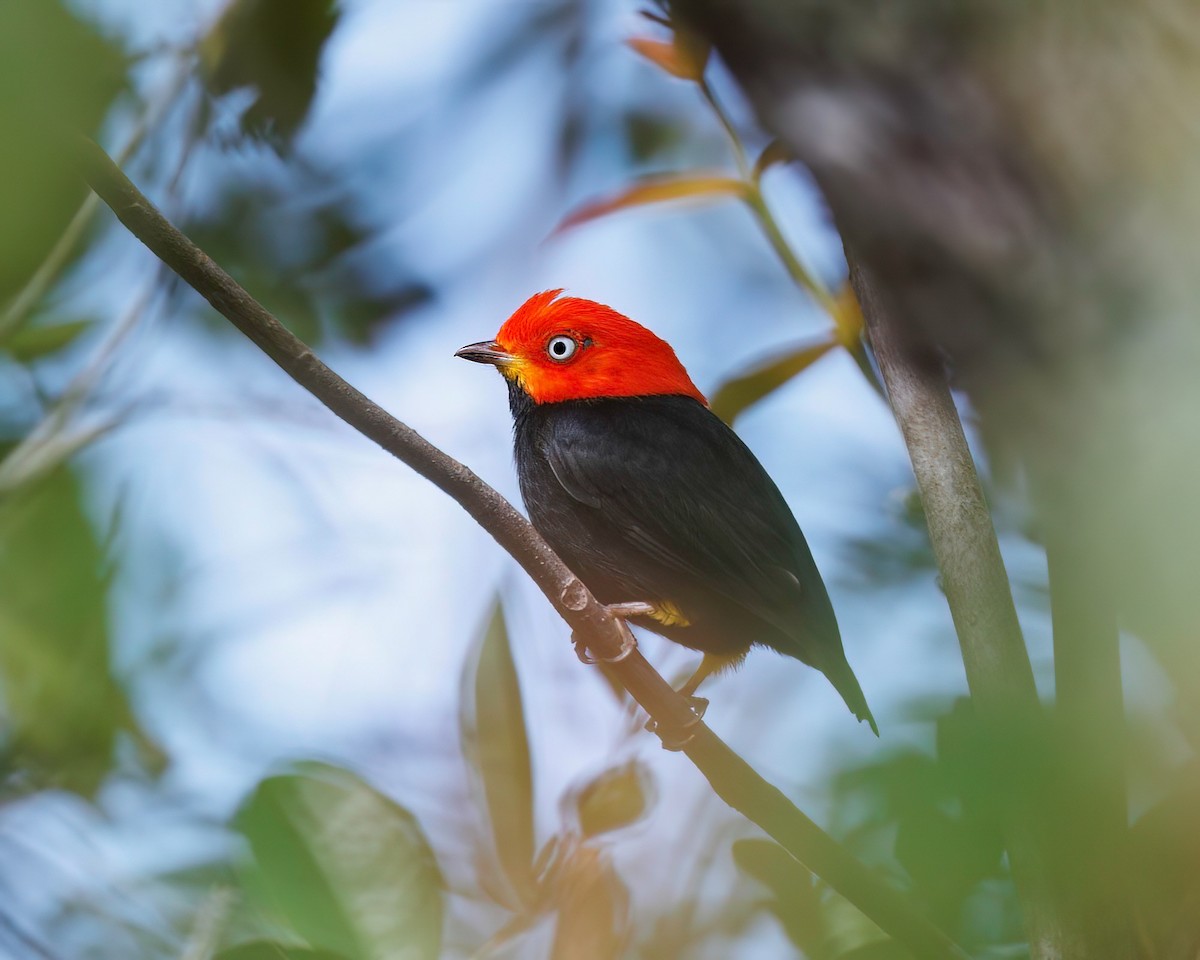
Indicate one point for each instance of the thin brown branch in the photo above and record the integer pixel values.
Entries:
(730, 776)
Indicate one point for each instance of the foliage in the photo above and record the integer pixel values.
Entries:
(322, 863)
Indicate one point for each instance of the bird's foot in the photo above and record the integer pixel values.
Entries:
(699, 706)
(681, 736)
(622, 611)
(635, 609)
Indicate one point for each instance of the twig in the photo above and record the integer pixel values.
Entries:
(766, 221)
(44, 447)
(730, 776)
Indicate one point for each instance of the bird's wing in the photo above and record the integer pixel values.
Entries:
(689, 495)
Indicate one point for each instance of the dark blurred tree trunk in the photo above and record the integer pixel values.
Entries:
(1018, 180)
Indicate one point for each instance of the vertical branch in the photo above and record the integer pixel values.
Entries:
(1089, 710)
(977, 590)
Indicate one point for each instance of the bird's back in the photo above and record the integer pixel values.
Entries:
(655, 499)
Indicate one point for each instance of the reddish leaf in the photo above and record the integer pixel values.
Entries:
(662, 53)
(658, 189)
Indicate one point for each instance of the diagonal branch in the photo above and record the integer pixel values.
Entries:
(730, 776)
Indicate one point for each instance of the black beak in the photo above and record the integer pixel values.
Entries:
(486, 351)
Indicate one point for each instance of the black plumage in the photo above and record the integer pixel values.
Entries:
(655, 499)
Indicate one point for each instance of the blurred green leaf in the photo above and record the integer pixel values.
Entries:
(61, 707)
(947, 856)
(651, 134)
(298, 246)
(734, 396)
(57, 77)
(795, 901)
(32, 343)
(849, 935)
(614, 799)
(657, 189)
(593, 908)
(274, 47)
(495, 740)
(350, 870)
(268, 950)
(1165, 867)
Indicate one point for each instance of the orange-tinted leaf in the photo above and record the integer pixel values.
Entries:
(663, 54)
(658, 189)
(614, 799)
(735, 395)
(593, 908)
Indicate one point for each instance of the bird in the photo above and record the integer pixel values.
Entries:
(651, 499)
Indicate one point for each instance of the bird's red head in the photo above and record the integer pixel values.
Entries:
(565, 348)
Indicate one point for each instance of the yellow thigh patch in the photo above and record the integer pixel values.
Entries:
(669, 615)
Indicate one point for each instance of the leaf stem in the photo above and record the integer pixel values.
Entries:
(800, 275)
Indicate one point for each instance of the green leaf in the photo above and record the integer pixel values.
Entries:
(850, 935)
(658, 189)
(274, 47)
(33, 343)
(61, 709)
(614, 799)
(56, 76)
(734, 396)
(269, 950)
(349, 870)
(494, 738)
(794, 899)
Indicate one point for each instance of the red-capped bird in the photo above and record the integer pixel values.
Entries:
(649, 497)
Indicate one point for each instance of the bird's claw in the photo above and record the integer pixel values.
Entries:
(581, 651)
(621, 611)
(679, 738)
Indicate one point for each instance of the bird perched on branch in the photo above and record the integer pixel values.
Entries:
(654, 502)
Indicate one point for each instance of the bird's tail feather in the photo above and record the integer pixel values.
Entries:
(845, 683)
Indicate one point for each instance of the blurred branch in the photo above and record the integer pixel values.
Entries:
(47, 445)
(1089, 705)
(730, 776)
(977, 589)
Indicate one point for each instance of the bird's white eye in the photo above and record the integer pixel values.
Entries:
(561, 348)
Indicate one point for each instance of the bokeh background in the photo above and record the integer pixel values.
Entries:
(267, 691)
